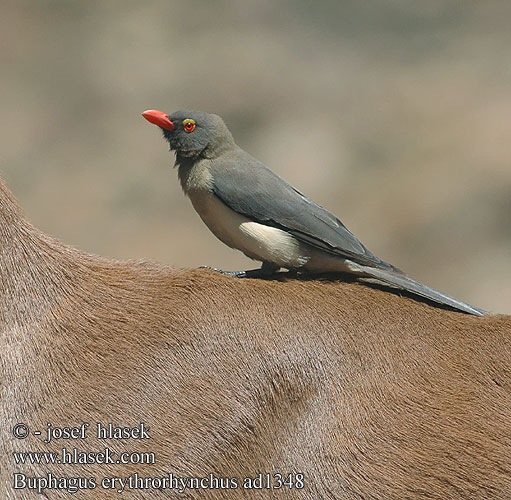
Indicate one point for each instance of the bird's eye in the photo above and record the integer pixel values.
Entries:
(189, 125)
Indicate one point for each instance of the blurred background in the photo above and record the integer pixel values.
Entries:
(393, 115)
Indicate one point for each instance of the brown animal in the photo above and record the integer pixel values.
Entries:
(368, 394)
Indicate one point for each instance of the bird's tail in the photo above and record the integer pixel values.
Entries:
(395, 278)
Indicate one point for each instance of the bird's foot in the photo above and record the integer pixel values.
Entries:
(251, 273)
(265, 271)
(221, 271)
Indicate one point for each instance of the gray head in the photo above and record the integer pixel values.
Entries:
(192, 133)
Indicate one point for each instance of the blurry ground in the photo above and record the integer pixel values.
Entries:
(396, 116)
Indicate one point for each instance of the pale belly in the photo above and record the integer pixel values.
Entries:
(257, 241)
(261, 242)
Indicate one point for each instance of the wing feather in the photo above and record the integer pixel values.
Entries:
(249, 188)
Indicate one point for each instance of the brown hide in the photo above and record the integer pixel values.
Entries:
(369, 394)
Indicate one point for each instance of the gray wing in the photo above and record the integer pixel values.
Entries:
(249, 188)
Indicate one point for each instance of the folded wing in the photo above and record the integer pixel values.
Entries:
(249, 188)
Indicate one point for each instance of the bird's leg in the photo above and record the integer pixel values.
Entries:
(266, 270)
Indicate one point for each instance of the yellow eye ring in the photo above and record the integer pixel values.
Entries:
(189, 125)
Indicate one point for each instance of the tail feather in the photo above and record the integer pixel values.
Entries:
(404, 282)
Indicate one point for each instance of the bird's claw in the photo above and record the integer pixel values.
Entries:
(236, 274)
(263, 272)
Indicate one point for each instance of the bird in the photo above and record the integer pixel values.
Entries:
(250, 208)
